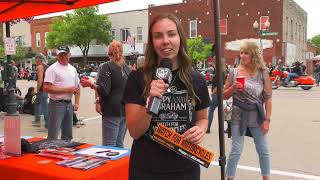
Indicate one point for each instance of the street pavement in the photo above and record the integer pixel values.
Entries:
(293, 137)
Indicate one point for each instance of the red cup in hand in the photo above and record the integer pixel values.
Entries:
(85, 81)
(241, 80)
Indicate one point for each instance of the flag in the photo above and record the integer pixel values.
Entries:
(130, 39)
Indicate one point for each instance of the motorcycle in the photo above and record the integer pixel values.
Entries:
(278, 77)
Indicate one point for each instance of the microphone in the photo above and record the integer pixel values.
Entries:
(163, 72)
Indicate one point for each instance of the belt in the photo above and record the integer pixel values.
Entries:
(61, 100)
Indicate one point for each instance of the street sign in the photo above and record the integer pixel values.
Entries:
(10, 46)
(269, 33)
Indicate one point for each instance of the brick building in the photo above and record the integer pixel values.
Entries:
(311, 57)
(39, 30)
(287, 20)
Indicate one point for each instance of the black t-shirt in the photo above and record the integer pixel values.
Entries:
(177, 113)
(111, 82)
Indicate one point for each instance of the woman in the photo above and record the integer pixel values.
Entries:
(184, 105)
(248, 113)
(110, 85)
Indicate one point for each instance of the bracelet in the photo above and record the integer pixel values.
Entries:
(268, 119)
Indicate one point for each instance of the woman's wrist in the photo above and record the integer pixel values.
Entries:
(92, 86)
(97, 101)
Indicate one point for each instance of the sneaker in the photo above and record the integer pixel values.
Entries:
(82, 123)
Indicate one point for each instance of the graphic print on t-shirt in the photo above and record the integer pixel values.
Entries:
(175, 111)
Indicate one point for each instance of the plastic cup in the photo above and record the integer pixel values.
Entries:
(85, 77)
(241, 80)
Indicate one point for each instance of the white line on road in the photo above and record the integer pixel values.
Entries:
(283, 173)
(88, 119)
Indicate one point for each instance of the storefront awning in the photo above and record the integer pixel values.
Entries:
(18, 9)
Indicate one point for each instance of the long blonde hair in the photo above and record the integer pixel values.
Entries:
(116, 51)
(253, 49)
(184, 61)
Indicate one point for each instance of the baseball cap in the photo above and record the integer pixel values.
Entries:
(63, 48)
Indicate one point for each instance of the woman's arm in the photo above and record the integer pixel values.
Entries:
(196, 133)
(227, 90)
(138, 120)
(268, 102)
(268, 95)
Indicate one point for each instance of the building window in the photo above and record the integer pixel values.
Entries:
(45, 38)
(113, 33)
(20, 40)
(287, 28)
(124, 34)
(263, 20)
(223, 26)
(291, 34)
(38, 40)
(139, 33)
(193, 29)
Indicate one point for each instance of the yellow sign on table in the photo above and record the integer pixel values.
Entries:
(174, 141)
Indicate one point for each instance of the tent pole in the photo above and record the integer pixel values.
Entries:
(217, 38)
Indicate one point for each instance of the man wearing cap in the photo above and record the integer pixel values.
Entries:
(61, 82)
(41, 104)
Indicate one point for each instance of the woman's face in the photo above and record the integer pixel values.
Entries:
(246, 58)
(166, 39)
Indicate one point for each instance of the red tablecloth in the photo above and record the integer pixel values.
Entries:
(27, 167)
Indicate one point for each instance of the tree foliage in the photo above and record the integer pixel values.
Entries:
(1, 48)
(316, 40)
(21, 53)
(80, 28)
(198, 50)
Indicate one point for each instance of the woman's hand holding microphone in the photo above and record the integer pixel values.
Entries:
(158, 88)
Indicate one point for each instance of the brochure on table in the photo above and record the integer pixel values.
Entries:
(104, 152)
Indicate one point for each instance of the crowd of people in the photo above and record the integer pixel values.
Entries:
(123, 93)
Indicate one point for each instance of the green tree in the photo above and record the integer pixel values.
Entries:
(21, 53)
(316, 41)
(80, 28)
(1, 48)
(198, 50)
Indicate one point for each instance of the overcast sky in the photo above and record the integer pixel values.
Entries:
(310, 6)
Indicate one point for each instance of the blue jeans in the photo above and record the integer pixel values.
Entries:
(261, 144)
(60, 116)
(213, 106)
(290, 76)
(41, 107)
(113, 131)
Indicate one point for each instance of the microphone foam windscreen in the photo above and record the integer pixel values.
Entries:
(166, 63)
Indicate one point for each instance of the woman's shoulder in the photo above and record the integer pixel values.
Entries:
(196, 74)
(197, 78)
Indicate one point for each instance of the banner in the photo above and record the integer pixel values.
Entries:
(175, 142)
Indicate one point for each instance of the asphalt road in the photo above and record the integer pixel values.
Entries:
(293, 137)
